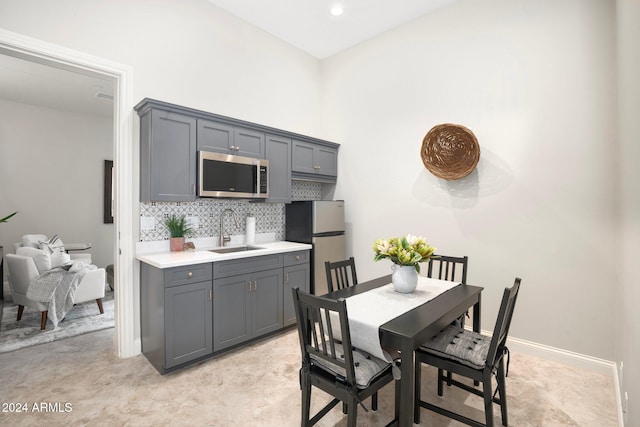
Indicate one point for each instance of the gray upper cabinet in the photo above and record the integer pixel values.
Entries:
(171, 135)
(226, 139)
(214, 136)
(314, 161)
(167, 156)
(279, 156)
(249, 143)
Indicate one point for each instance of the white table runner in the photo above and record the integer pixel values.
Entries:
(369, 310)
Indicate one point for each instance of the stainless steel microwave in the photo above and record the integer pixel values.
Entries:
(225, 175)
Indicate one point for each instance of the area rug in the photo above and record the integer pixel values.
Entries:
(81, 319)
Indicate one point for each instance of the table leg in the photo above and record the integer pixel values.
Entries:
(476, 315)
(406, 386)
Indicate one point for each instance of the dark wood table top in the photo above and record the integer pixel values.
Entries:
(436, 314)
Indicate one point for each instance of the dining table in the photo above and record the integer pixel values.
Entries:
(401, 335)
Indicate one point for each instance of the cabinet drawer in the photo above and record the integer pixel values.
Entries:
(246, 265)
(188, 274)
(296, 258)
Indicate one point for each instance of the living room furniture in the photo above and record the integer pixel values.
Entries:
(22, 269)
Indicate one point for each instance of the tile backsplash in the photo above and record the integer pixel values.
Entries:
(206, 213)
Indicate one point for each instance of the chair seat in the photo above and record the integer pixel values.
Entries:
(461, 345)
(367, 367)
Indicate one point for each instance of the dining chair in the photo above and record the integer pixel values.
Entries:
(341, 274)
(453, 269)
(445, 267)
(330, 363)
(473, 356)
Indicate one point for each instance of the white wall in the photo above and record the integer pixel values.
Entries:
(187, 52)
(627, 313)
(535, 82)
(51, 170)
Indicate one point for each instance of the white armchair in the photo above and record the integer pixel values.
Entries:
(23, 267)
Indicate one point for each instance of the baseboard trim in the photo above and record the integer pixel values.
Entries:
(576, 360)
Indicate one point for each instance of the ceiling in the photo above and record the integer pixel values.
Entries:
(308, 24)
(305, 24)
(35, 83)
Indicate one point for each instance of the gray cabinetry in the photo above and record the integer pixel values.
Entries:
(296, 275)
(167, 156)
(226, 139)
(278, 152)
(176, 314)
(314, 161)
(247, 299)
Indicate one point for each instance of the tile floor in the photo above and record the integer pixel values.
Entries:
(81, 382)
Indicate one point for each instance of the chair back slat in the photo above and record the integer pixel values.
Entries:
(503, 322)
(341, 274)
(446, 268)
(323, 329)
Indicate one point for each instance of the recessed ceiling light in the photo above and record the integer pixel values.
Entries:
(336, 10)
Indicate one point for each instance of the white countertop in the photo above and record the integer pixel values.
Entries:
(168, 259)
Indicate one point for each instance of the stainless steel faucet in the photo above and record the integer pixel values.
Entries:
(226, 238)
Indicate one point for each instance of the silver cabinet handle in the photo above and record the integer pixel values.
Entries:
(255, 285)
(190, 274)
(286, 278)
(210, 294)
(297, 257)
(249, 285)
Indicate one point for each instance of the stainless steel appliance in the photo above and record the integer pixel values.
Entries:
(225, 175)
(321, 223)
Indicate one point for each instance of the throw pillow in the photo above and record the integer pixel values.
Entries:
(33, 240)
(41, 258)
(55, 248)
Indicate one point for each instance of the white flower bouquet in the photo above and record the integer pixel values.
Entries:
(409, 250)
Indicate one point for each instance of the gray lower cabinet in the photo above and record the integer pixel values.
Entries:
(167, 156)
(192, 312)
(248, 305)
(314, 161)
(279, 156)
(296, 275)
(176, 314)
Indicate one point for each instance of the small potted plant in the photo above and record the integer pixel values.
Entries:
(179, 229)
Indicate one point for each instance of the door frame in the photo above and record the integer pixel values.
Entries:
(126, 183)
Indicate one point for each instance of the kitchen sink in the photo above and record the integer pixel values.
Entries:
(235, 249)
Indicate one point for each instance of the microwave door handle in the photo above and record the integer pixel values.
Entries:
(257, 178)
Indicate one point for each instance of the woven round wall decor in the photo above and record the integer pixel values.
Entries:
(450, 151)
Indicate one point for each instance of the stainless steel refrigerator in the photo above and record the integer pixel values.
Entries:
(320, 223)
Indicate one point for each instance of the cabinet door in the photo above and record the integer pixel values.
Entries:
(168, 157)
(302, 157)
(279, 156)
(188, 323)
(296, 276)
(327, 161)
(266, 298)
(231, 311)
(215, 137)
(248, 143)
